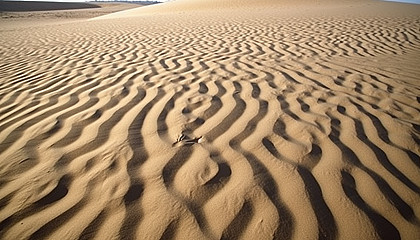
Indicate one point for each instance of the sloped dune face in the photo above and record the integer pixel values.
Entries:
(298, 123)
(188, 6)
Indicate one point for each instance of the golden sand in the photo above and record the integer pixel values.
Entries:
(213, 120)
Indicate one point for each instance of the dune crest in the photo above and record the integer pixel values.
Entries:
(297, 122)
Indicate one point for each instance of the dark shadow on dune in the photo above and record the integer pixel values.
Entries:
(223, 173)
(200, 195)
(312, 158)
(134, 193)
(379, 153)
(256, 90)
(215, 105)
(140, 155)
(90, 231)
(6, 222)
(415, 138)
(57, 126)
(162, 126)
(383, 158)
(414, 157)
(51, 105)
(289, 78)
(104, 130)
(4, 201)
(285, 108)
(271, 148)
(175, 163)
(268, 184)
(170, 231)
(236, 112)
(381, 130)
(326, 224)
(59, 192)
(383, 227)
(303, 106)
(349, 156)
(203, 88)
(262, 175)
(134, 212)
(327, 228)
(49, 227)
(239, 223)
(279, 129)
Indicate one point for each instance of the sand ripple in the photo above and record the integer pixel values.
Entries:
(309, 128)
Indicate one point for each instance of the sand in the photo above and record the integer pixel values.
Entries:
(213, 120)
(18, 14)
(19, 6)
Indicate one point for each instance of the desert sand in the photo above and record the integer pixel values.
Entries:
(16, 14)
(19, 6)
(203, 119)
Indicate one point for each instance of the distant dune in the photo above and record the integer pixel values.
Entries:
(212, 119)
(22, 6)
(34, 13)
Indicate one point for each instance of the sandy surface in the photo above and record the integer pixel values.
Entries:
(214, 120)
(13, 17)
(22, 6)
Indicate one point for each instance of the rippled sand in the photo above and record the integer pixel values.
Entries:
(218, 120)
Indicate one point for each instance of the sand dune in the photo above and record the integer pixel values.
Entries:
(292, 121)
(13, 14)
(19, 6)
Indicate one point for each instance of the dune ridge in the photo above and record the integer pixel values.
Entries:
(284, 123)
(18, 6)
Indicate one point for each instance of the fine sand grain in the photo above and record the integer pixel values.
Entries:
(201, 119)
